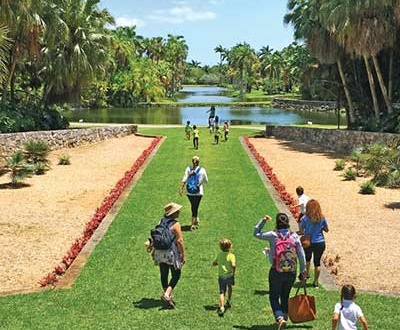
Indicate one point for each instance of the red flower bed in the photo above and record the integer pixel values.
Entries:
(98, 217)
(279, 186)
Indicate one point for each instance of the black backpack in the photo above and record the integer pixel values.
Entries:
(162, 235)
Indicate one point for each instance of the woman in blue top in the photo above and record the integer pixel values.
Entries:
(314, 224)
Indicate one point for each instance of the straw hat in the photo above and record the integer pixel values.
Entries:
(171, 208)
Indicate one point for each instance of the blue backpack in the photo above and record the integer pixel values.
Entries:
(192, 183)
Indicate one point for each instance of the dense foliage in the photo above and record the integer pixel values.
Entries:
(68, 51)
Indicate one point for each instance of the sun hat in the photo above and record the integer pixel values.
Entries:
(171, 208)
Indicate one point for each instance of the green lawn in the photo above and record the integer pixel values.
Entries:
(119, 286)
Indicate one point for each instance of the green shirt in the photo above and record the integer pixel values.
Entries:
(225, 261)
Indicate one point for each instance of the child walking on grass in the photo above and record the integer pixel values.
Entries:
(188, 130)
(347, 313)
(226, 262)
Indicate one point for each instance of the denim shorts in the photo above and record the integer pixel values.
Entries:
(223, 282)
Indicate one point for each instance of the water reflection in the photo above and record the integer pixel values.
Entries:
(197, 114)
(198, 94)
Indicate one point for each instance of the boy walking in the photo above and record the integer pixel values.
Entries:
(226, 262)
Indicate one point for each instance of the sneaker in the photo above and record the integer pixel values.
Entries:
(228, 304)
(192, 227)
(221, 311)
(281, 323)
(315, 285)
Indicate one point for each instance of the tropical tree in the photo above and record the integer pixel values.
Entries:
(308, 26)
(176, 52)
(4, 47)
(78, 52)
(363, 28)
(25, 24)
(241, 59)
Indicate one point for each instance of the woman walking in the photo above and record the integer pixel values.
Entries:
(172, 259)
(314, 224)
(285, 250)
(194, 178)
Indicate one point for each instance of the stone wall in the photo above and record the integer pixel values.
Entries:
(331, 139)
(69, 138)
(304, 104)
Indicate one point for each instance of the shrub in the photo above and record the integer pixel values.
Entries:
(39, 168)
(339, 165)
(367, 188)
(350, 174)
(18, 167)
(64, 160)
(36, 152)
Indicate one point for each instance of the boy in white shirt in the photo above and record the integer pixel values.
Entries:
(302, 202)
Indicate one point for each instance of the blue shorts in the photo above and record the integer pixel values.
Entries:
(223, 282)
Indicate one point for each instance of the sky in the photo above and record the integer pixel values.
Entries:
(206, 24)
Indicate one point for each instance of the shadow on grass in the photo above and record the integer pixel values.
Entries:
(211, 307)
(147, 303)
(393, 206)
(273, 327)
(17, 186)
(185, 228)
(261, 292)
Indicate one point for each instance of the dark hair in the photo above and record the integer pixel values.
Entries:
(282, 221)
(299, 190)
(348, 292)
(194, 126)
(188, 122)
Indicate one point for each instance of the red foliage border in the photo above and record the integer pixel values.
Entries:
(97, 218)
(279, 186)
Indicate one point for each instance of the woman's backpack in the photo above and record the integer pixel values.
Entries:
(285, 257)
(162, 235)
(192, 183)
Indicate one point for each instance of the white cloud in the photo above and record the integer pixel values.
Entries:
(181, 14)
(124, 21)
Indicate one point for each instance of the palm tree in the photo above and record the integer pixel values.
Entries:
(4, 47)
(241, 59)
(25, 24)
(363, 28)
(77, 52)
(308, 25)
(176, 52)
(17, 166)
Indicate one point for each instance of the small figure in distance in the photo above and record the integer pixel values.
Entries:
(226, 262)
(217, 134)
(196, 135)
(226, 130)
(211, 115)
(188, 130)
(347, 313)
(302, 200)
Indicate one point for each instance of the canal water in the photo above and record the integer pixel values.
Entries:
(236, 115)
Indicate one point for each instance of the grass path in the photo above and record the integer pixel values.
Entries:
(119, 286)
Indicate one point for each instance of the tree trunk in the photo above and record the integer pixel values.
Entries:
(388, 102)
(390, 78)
(352, 114)
(372, 87)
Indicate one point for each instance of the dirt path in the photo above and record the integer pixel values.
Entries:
(363, 228)
(39, 223)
